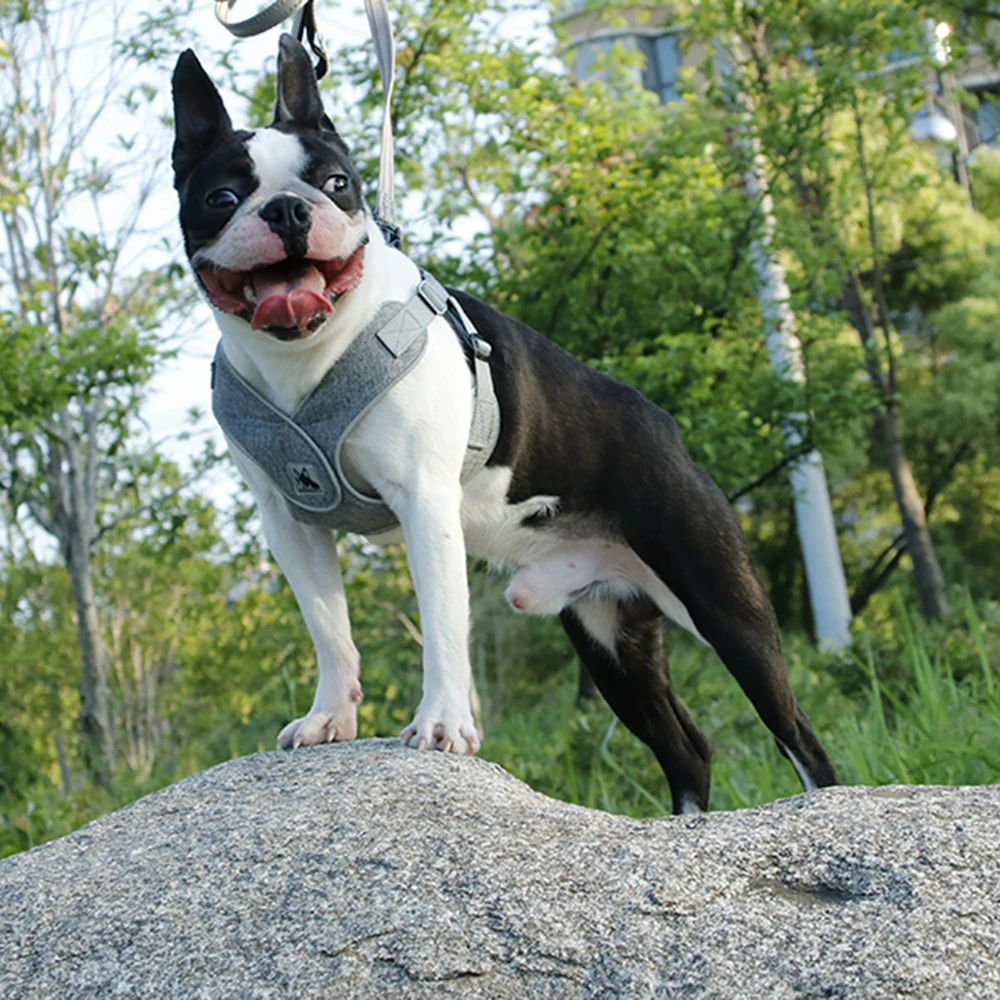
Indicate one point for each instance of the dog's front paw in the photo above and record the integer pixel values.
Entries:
(442, 727)
(320, 727)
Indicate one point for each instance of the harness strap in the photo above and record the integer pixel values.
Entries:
(307, 470)
(485, 428)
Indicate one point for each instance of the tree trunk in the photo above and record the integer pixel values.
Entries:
(817, 530)
(95, 717)
(926, 571)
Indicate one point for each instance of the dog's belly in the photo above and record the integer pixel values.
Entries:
(555, 563)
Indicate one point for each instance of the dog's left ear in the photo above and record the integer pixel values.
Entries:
(298, 92)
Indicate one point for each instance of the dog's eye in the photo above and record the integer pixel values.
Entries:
(222, 198)
(336, 184)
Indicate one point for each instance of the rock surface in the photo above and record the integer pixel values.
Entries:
(369, 871)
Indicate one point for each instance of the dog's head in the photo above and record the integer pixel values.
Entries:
(274, 222)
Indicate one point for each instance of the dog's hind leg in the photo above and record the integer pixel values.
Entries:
(621, 645)
(704, 561)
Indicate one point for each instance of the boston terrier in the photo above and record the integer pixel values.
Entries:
(586, 493)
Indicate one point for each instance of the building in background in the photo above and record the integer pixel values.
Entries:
(652, 32)
(658, 36)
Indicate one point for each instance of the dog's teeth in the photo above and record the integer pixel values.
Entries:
(248, 290)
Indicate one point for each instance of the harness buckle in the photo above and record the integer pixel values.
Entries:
(433, 293)
(481, 348)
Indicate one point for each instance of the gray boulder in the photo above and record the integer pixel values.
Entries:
(367, 870)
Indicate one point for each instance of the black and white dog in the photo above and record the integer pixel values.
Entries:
(589, 495)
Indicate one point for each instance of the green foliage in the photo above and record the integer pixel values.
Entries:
(986, 182)
(83, 326)
(620, 229)
(37, 667)
(915, 704)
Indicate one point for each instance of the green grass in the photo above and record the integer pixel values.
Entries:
(939, 731)
(918, 719)
(912, 703)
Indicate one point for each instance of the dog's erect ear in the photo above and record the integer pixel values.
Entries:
(298, 93)
(200, 118)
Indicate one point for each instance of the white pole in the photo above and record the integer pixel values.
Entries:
(813, 514)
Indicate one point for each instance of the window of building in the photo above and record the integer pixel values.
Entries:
(588, 54)
(663, 62)
(988, 117)
(660, 54)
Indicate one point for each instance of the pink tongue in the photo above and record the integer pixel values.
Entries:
(289, 298)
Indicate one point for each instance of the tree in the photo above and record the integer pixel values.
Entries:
(80, 326)
(831, 114)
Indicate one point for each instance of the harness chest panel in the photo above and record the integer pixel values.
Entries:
(301, 452)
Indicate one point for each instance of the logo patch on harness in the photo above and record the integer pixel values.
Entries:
(305, 479)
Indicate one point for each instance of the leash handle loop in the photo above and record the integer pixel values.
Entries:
(304, 25)
(263, 21)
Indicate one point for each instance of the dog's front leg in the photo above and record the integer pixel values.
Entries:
(436, 554)
(307, 555)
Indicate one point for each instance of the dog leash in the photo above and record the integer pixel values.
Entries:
(385, 52)
(305, 25)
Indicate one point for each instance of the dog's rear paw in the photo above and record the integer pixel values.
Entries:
(319, 727)
(442, 729)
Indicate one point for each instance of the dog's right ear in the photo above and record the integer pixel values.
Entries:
(200, 117)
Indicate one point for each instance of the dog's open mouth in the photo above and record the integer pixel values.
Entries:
(290, 299)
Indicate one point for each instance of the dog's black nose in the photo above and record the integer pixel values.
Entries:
(287, 214)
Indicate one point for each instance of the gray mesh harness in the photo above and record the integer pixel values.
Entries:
(300, 453)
